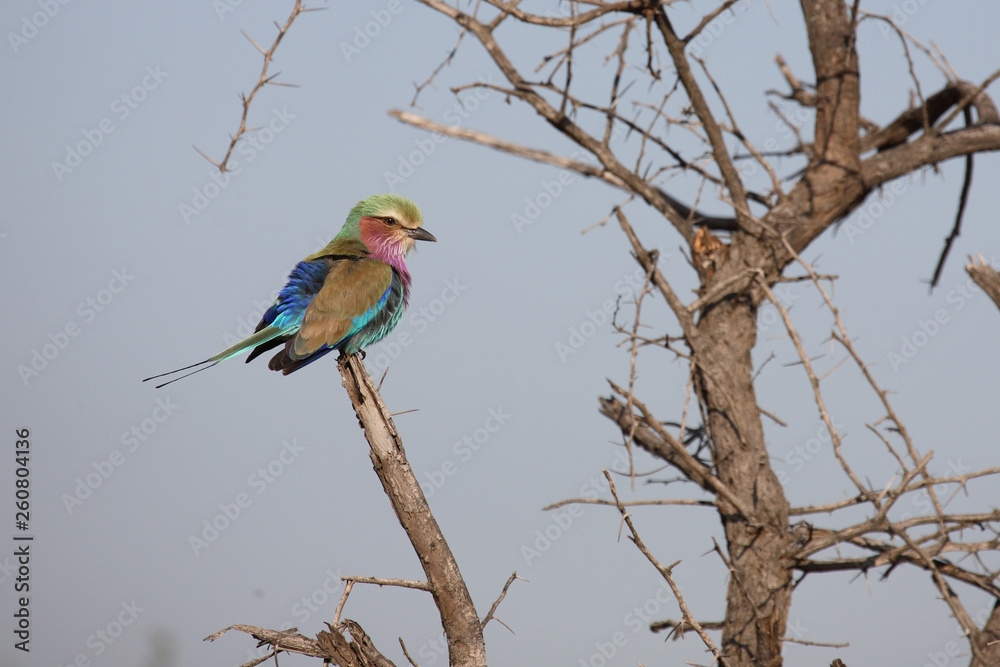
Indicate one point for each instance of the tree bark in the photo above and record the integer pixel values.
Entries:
(760, 577)
(988, 640)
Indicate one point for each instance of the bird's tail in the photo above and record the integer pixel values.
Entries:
(262, 336)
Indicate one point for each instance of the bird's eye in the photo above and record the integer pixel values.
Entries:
(389, 221)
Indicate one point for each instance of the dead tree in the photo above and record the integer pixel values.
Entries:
(660, 118)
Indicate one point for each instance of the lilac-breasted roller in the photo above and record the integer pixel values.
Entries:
(346, 297)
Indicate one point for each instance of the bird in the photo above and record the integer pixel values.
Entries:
(346, 297)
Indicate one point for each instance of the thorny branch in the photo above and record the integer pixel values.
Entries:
(490, 615)
(923, 549)
(666, 573)
(262, 80)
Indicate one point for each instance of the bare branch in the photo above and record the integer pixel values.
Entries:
(288, 640)
(674, 452)
(401, 583)
(729, 172)
(630, 6)
(803, 642)
(665, 572)
(963, 199)
(262, 81)
(633, 503)
(986, 277)
(348, 587)
(496, 604)
(458, 613)
(817, 394)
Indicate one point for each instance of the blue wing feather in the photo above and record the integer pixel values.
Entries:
(305, 280)
(287, 310)
(366, 328)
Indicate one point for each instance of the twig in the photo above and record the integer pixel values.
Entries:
(407, 653)
(730, 175)
(451, 55)
(841, 337)
(282, 640)
(378, 581)
(263, 80)
(343, 601)
(803, 642)
(632, 503)
(679, 628)
(814, 381)
(665, 572)
(963, 199)
(958, 611)
(685, 460)
(503, 594)
(633, 356)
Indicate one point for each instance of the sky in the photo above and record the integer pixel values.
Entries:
(159, 517)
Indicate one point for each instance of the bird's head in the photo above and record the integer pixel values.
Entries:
(388, 225)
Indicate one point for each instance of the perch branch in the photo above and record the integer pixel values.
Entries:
(458, 613)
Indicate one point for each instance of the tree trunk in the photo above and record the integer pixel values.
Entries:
(760, 590)
(988, 640)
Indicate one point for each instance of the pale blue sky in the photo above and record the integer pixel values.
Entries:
(103, 262)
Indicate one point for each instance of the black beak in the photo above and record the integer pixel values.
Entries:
(420, 234)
